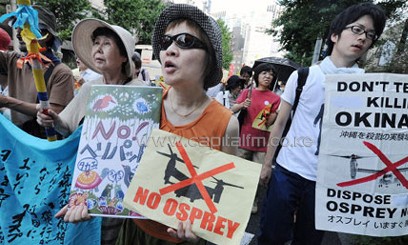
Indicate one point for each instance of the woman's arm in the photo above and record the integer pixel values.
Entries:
(271, 119)
(52, 119)
(239, 106)
(273, 141)
(231, 137)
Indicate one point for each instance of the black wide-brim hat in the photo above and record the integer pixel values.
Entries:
(207, 23)
(47, 20)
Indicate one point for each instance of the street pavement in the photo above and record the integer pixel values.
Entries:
(330, 238)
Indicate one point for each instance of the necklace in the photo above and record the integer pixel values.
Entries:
(184, 115)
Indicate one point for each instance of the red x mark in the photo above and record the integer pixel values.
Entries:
(196, 178)
(390, 167)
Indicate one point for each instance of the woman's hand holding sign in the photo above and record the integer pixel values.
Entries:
(184, 232)
(74, 214)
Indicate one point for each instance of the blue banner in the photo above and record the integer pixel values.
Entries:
(35, 180)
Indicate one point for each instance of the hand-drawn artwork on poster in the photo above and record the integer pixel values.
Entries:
(362, 185)
(262, 117)
(118, 122)
(212, 189)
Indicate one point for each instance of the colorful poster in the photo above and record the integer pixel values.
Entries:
(363, 163)
(118, 122)
(35, 175)
(212, 189)
(261, 119)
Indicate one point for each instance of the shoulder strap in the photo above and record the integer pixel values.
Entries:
(48, 73)
(302, 76)
(143, 74)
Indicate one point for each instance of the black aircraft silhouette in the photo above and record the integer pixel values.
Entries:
(215, 192)
(171, 170)
(353, 164)
(383, 182)
(191, 191)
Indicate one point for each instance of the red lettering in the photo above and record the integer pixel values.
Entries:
(154, 200)
(232, 227)
(182, 215)
(141, 195)
(195, 214)
(100, 128)
(170, 207)
(207, 222)
(219, 225)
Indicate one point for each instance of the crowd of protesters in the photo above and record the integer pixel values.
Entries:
(188, 44)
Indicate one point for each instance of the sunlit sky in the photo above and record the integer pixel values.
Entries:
(234, 6)
(239, 6)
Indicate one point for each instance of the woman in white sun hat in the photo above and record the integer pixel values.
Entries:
(106, 49)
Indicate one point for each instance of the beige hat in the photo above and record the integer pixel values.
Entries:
(82, 42)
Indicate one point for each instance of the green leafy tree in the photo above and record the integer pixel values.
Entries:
(299, 29)
(226, 44)
(3, 4)
(393, 49)
(67, 12)
(137, 16)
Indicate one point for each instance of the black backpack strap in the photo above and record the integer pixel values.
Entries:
(302, 76)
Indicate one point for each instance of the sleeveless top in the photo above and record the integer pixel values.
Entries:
(211, 125)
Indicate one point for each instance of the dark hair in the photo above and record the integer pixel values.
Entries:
(263, 67)
(234, 82)
(103, 31)
(50, 41)
(136, 59)
(247, 70)
(353, 13)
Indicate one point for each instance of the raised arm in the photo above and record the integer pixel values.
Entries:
(274, 139)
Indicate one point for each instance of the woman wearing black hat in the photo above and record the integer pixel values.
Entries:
(188, 44)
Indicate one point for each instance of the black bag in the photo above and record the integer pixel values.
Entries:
(241, 116)
(302, 76)
(33, 128)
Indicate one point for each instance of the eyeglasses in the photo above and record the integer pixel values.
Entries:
(359, 30)
(183, 41)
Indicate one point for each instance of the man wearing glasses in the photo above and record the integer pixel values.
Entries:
(291, 185)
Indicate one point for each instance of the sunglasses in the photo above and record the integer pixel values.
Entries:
(183, 41)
